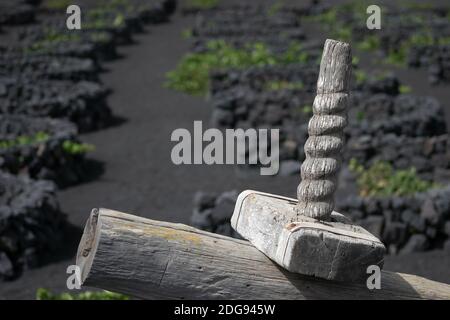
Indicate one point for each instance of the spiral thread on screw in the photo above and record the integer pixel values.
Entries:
(326, 138)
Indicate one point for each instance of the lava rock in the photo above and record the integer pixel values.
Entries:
(417, 243)
(224, 207)
(429, 213)
(13, 13)
(447, 245)
(202, 219)
(289, 167)
(6, 267)
(213, 212)
(48, 67)
(43, 158)
(431, 232)
(374, 224)
(33, 225)
(222, 118)
(394, 232)
(204, 200)
(84, 102)
(447, 228)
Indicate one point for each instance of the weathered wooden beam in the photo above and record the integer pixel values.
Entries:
(159, 260)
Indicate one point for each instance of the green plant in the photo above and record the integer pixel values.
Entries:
(307, 109)
(380, 179)
(113, 4)
(417, 39)
(122, 6)
(303, 110)
(56, 4)
(360, 116)
(335, 21)
(202, 4)
(22, 140)
(192, 73)
(68, 146)
(275, 7)
(397, 57)
(326, 18)
(369, 43)
(44, 294)
(187, 33)
(404, 89)
(420, 39)
(361, 76)
(119, 20)
(331, 19)
(52, 37)
(343, 33)
(358, 8)
(294, 54)
(416, 5)
(444, 41)
(73, 147)
(379, 76)
(100, 18)
(99, 37)
(283, 85)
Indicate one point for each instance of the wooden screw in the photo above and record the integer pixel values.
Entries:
(326, 138)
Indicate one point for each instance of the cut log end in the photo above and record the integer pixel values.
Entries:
(335, 67)
(88, 244)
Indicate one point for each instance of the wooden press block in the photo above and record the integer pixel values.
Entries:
(334, 250)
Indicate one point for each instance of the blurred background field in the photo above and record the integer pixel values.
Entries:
(86, 118)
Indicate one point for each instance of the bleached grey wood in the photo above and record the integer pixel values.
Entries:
(152, 260)
(334, 250)
(304, 236)
(319, 170)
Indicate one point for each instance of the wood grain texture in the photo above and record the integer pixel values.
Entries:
(158, 260)
(326, 138)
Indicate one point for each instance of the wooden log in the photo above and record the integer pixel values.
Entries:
(159, 260)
